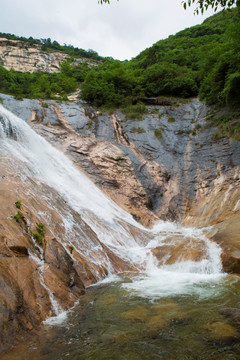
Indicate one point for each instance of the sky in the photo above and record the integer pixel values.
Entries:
(120, 30)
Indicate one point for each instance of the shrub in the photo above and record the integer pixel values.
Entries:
(198, 127)
(171, 119)
(39, 234)
(231, 91)
(137, 130)
(134, 111)
(18, 204)
(180, 132)
(38, 237)
(19, 217)
(158, 133)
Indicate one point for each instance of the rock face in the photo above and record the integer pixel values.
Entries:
(183, 175)
(17, 55)
(167, 177)
(42, 276)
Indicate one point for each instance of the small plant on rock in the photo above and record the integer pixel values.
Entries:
(137, 130)
(158, 133)
(18, 204)
(171, 119)
(39, 234)
(18, 217)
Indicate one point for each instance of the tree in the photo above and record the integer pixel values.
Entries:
(203, 5)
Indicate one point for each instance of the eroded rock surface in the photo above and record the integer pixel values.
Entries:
(183, 176)
(40, 277)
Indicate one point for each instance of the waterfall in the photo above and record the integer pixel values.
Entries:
(48, 165)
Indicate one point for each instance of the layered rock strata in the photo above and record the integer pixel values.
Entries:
(182, 175)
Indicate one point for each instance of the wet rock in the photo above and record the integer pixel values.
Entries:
(121, 338)
(32, 278)
(139, 314)
(232, 313)
(179, 248)
(221, 331)
(183, 176)
(174, 177)
(107, 300)
(156, 323)
(63, 268)
(19, 250)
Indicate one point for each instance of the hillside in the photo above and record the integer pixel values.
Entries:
(35, 68)
(201, 60)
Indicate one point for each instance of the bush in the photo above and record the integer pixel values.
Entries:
(135, 111)
(19, 217)
(38, 237)
(231, 91)
(18, 204)
(39, 234)
(137, 130)
(158, 133)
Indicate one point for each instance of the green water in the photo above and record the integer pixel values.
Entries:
(110, 323)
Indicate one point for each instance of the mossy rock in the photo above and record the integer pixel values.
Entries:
(138, 314)
(221, 330)
(106, 300)
(156, 323)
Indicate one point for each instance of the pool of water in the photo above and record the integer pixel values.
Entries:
(115, 321)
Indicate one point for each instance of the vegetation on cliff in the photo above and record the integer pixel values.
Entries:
(50, 46)
(203, 60)
(43, 85)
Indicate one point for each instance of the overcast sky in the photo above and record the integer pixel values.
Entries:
(121, 30)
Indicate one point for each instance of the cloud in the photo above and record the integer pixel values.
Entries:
(120, 30)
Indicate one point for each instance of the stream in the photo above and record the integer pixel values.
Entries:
(112, 322)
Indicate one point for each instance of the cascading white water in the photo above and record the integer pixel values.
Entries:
(48, 165)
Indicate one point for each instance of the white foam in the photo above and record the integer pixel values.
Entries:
(162, 283)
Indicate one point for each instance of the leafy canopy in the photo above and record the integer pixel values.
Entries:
(203, 5)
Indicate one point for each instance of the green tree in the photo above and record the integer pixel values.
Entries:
(203, 5)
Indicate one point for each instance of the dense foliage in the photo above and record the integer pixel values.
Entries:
(43, 85)
(201, 60)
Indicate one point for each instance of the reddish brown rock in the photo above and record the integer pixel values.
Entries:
(179, 248)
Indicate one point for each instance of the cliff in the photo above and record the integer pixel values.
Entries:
(20, 56)
(178, 173)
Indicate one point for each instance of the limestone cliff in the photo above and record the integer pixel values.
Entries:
(17, 55)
